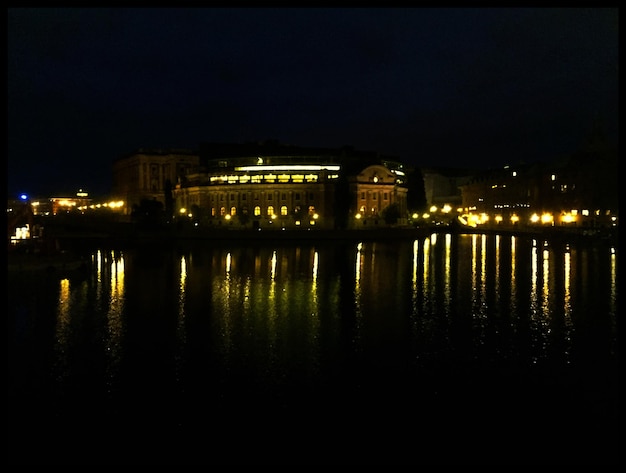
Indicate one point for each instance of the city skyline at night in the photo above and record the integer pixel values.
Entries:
(472, 87)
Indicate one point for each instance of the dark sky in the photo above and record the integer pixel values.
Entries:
(434, 87)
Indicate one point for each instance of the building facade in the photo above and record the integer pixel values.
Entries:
(267, 185)
(149, 174)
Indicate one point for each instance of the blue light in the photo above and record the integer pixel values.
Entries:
(23, 197)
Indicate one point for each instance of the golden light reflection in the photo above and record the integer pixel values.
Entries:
(478, 313)
(181, 331)
(272, 308)
(446, 274)
(497, 278)
(316, 257)
(567, 304)
(357, 290)
(98, 264)
(414, 284)
(273, 263)
(415, 260)
(479, 278)
(115, 321)
(539, 308)
(534, 317)
(426, 275)
(513, 282)
(483, 273)
(613, 293)
(359, 261)
(545, 304)
(62, 330)
(221, 293)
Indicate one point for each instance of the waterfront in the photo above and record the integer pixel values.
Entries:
(443, 349)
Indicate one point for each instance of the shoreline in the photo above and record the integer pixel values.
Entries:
(63, 252)
(128, 235)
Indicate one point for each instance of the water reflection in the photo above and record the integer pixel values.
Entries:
(272, 301)
(247, 327)
(63, 330)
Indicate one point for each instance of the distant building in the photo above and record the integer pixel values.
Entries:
(147, 174)
(580, 190)
(442, 185)
(267, 185)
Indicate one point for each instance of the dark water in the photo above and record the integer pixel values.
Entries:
(453, 349)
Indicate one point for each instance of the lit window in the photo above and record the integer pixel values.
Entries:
(283, 210)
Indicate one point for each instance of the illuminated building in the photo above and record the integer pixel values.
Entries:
(267, 185)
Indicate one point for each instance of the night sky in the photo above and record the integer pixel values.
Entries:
(434, 87)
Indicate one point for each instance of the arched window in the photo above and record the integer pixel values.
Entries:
(283, 210)
(222, 211)
(270, 210)
(233, 211)
(257, 210)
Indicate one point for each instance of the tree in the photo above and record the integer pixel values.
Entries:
(391, 213)
(148, 213)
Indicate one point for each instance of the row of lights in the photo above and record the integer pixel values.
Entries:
(546, 218)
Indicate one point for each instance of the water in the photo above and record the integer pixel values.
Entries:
(450, 349)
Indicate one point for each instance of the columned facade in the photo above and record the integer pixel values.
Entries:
(267, 186)
(375, 192)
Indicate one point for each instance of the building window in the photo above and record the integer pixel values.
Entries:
(283, 196)
(269, 196)
(297, 195)
(222, 211)
(362, 195)
(233, 211)
(385, 196)
(283, 210)
(257, 210)
(270, 210)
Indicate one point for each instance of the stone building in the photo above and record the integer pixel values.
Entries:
(147, 174)
(268, 185)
